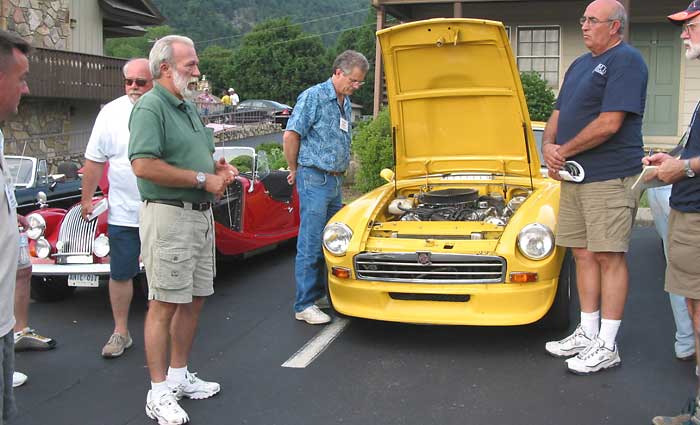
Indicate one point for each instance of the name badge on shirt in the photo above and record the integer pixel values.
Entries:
(10, 194)
(344, 124)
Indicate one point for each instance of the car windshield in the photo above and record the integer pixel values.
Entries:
(20, 171)
(538, 138)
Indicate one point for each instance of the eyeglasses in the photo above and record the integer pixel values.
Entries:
(688, 27)
(139, 81)
(354, 82)
(593, 20)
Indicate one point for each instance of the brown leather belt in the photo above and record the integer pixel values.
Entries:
(196, 206)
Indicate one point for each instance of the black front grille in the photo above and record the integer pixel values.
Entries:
(429, 297)
(429, 267)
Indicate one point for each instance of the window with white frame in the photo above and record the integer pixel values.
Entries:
(538, 50)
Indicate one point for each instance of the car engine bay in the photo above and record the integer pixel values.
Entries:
(458, 204)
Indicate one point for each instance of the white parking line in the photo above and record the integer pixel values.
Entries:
(317, 344)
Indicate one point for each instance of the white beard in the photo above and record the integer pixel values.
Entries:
(181, 83)
(692, 51)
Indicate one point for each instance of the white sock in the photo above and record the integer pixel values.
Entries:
(608, 332)
(159, 387)
(590, 323)
(177, 375)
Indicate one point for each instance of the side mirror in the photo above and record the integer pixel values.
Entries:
(387, 175)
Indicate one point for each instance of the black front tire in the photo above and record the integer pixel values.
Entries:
(558, 317)
(50, 289)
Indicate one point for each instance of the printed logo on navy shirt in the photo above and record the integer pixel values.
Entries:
(601, 69)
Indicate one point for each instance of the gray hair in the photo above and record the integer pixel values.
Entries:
(349, 60)
(619, 14)
(162, 51)
(8, 42)
(129, 62)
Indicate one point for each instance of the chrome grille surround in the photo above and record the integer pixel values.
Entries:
(77, 236)
(411, 267)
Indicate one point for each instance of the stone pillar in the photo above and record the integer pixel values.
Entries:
(43, 23)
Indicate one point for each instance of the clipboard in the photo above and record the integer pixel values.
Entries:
(640, 184)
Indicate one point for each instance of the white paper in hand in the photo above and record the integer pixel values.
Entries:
(99, 208)
(572, 172)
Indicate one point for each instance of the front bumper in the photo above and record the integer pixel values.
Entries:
(502, 304)
(66, 269)
(53, 269)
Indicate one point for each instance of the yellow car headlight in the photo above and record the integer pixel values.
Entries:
(101, 246)
(37, 225)
(536, 241)
(42, 248)
(336, 238)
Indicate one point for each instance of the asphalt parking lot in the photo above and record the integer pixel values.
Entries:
(371, 373)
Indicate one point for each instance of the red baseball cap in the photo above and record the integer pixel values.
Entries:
(691, 11)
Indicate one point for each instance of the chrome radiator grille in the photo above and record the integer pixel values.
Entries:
(76, 234)
(425, 267)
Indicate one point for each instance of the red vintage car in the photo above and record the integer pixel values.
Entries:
(258, 211)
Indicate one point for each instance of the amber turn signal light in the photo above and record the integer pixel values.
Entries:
(341, 272)
(523, 277)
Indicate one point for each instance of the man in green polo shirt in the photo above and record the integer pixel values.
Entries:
(171, 155)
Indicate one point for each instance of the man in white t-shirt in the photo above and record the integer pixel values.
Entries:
(109, 141)
(235, 100)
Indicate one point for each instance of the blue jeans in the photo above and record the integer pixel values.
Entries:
(660, 209)
(320, 197)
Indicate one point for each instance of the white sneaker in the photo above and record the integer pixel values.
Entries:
(569, 346)
(313, 315)
(323, 302)
(194, 388)
(594, 358)
(18, 379)
(165, 410)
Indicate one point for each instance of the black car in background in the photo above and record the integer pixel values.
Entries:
(252, 110)
(30, 176)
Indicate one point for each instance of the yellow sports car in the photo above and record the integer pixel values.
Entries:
(463, 232)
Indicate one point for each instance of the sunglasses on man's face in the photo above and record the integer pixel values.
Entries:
(138, 81)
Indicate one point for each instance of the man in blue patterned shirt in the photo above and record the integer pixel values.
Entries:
(317, 149)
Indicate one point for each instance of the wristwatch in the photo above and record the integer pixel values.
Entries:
(688, 169)
(201, 180)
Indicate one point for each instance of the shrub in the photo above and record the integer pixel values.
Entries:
(373, 149)
(275, 155)
(243, 163)
(540, 98)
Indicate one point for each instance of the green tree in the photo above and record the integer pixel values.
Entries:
(136, 47)
(361, 39)
(372, 147)
(278, 61)
(539, 96)
(216, 63)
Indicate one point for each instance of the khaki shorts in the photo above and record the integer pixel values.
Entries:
(683, 268)
(177, 248)
(597, 216)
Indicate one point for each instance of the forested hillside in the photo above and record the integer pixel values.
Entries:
(223, 22)
(268, 49)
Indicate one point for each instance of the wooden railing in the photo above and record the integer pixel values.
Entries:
(70, 75)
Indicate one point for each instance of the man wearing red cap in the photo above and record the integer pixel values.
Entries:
(683, 269)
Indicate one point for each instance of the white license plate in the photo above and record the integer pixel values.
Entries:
(87, 280)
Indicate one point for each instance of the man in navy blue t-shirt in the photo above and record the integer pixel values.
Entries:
(597, 123)
(683, 267)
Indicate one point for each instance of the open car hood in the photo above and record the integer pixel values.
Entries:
(456, 101)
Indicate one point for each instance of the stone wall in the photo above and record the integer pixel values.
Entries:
(43, 23)
(247, 130)
(41, 129)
